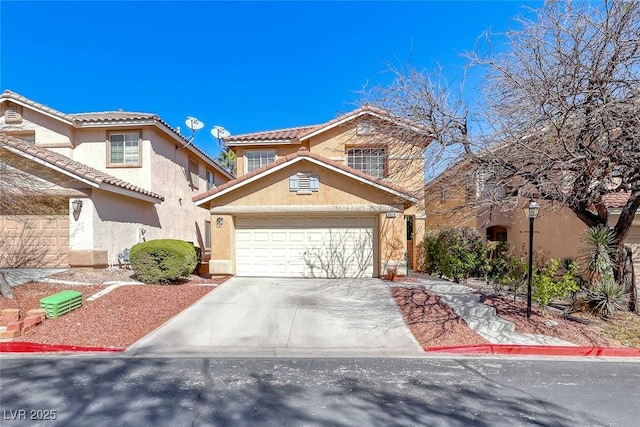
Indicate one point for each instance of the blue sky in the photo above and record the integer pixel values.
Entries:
(247, 66)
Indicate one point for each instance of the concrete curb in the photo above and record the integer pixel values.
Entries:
(31, 347)
(536, 350)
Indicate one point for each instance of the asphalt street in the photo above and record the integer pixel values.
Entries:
(123, 391)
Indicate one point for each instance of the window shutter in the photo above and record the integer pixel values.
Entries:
(314, 183)
(294, 183)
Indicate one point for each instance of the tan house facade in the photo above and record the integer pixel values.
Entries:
(558, 233)
(319, 201)
(118, 178)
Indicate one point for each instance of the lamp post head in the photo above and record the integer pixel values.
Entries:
(532, 209)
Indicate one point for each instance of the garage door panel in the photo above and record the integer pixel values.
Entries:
(305, 247)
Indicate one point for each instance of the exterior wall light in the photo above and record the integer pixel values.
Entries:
(77, 207)
(219, 222)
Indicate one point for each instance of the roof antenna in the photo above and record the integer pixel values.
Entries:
(220, 133)
(195, 125)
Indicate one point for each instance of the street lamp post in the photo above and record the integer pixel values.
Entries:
(531, 211)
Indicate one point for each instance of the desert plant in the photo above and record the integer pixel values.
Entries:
(598, 254)
(606, 298)
(547, 286)
(163, 260)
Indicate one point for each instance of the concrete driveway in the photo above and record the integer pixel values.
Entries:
(287, 317)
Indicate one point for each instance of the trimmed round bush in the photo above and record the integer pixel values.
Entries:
(163, 260)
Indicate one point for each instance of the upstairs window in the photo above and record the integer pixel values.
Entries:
(490, 189)
(371, 161)
(211, 181)
(194, 173)
(124, 149)
(257, 159)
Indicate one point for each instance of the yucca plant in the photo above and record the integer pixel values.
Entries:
(598, 253)
(606, 298)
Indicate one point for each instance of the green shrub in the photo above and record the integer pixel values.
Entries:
(454, 253)
(606, 298)
(547, 286)
(504, 268)
(163, 260)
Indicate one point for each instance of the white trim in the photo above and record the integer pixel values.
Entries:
(246, 160)
(312, 160)
(251, 210)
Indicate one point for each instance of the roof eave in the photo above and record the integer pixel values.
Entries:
(274, 169)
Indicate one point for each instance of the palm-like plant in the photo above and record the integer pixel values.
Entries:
(606, 298)
(598, 253)
(227, 160)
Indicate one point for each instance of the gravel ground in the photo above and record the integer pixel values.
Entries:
(127, 313)
(578, 329)
(432, 322)
(116, 319)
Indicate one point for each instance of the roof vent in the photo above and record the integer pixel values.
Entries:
(12, 115)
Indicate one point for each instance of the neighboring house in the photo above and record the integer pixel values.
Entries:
(118, 178)
(451, 202)
(339, 199)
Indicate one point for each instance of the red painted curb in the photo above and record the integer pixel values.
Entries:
(536, 350)
(32, 347)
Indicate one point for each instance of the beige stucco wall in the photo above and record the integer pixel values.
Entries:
(405, 168)
(111, 222)
(335, 190)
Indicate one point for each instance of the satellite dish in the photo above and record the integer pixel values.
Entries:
(219, 132)
(194, 124)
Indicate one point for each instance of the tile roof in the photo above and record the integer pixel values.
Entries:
(7, 94)
(616, 200)
(303, 152)
(76, 168)
(271, 135)
(104, 117)
(302, 132)
(108, 116)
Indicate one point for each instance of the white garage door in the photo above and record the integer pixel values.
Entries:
(305, 246)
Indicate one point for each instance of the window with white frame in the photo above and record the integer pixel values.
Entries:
(304, 183)
(211, 180)
(371, 161)
(257, 159)
(124, 149)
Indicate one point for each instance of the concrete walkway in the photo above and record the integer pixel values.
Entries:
(481, 317)
(287, 317)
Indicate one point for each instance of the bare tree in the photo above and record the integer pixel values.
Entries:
(560, 110)
(23, 196)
